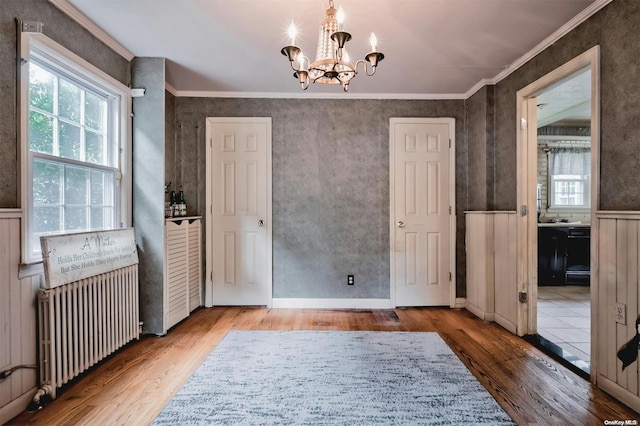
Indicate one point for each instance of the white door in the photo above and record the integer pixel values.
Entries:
(240, 210)
(421, 199)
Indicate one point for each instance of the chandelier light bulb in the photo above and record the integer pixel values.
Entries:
(374, 42)
(300, 60)
(340, 18)
(292, 33)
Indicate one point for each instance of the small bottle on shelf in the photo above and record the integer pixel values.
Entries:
(172, 204)
(182, 206)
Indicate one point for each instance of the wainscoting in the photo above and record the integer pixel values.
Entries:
(618, 296)
(491, 266)
(17, 320)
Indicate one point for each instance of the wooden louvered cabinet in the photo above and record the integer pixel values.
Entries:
(183, 271)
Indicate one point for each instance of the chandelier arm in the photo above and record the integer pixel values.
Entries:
(365, 65)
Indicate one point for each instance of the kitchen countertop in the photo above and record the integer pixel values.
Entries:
(564, 225)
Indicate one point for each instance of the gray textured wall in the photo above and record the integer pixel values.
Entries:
(330, 186)
(614, 28)
(63, 30)
(480, 109)
(170, 139)
(148, 187)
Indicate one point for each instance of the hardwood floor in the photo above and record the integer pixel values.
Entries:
(133, 385)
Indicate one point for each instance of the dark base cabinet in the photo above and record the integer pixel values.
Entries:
(564, 255)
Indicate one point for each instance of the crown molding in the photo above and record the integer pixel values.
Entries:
(169, 88)
(479, 85)
(73, 13)
(98, 32)
(589, 11)
(308, 95)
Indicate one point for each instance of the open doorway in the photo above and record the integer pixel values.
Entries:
(558, 174)
(563, 204)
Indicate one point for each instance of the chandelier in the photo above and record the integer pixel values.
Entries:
(332, 64)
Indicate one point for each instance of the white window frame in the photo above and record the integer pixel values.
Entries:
(553, 179)
(551, 191)
(51, 53)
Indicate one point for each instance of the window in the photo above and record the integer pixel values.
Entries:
(73, 145)
(570, 177)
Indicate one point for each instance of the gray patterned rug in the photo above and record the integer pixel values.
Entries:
(332, 377)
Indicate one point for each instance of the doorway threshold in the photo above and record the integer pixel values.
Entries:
(567, 359)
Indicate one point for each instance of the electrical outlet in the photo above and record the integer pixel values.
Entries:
(620, 313)
(350, 280)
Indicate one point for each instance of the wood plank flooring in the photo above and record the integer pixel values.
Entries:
(133, 385)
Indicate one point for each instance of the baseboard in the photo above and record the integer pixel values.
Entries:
(279, 303)
(505, 323)
(486, 316)
(460, 303)
(619, 392)
(16, 406)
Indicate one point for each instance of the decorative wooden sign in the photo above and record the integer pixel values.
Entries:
(72, 257)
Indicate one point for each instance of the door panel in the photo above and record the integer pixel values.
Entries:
(240, 197)
(420, 215)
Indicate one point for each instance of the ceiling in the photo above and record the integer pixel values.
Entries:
(566, 103)
(433, 48)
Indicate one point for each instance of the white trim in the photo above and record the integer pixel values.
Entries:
(209, 298)
(169, 88)
(479, 85)
(505, 323)
(73, 13)
(311, 95)
(11, 213)
(297, 303)
(208, 238)
(485, 316)
(627, 215)
(618, 392)
(526, 147)
(16, 406)
(461, 303)
(452, 200)
(589, 11)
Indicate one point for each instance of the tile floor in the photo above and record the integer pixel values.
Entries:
(564, 318)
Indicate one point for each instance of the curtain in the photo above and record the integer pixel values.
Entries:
(570, 161)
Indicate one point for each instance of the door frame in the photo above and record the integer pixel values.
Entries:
(527, 227)
(452, 199)
(209, 296)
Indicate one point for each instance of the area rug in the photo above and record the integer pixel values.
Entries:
(332, 378)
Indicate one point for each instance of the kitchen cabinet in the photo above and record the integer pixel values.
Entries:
(563, 255)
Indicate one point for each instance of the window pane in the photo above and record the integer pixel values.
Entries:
(75, 218)
(41, 87)
(69, 100)
(69, 138)
(46, 220)
(40, 132)
(95, 112)
(94, 147)
(97, 217)
(47, 179)
(75, 187)
(568, 193)
(102, 218)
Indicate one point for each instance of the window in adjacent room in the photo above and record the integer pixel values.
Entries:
(570, 177)
(73, 146)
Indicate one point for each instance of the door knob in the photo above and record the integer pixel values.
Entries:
(261, 223)
(400, 224)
